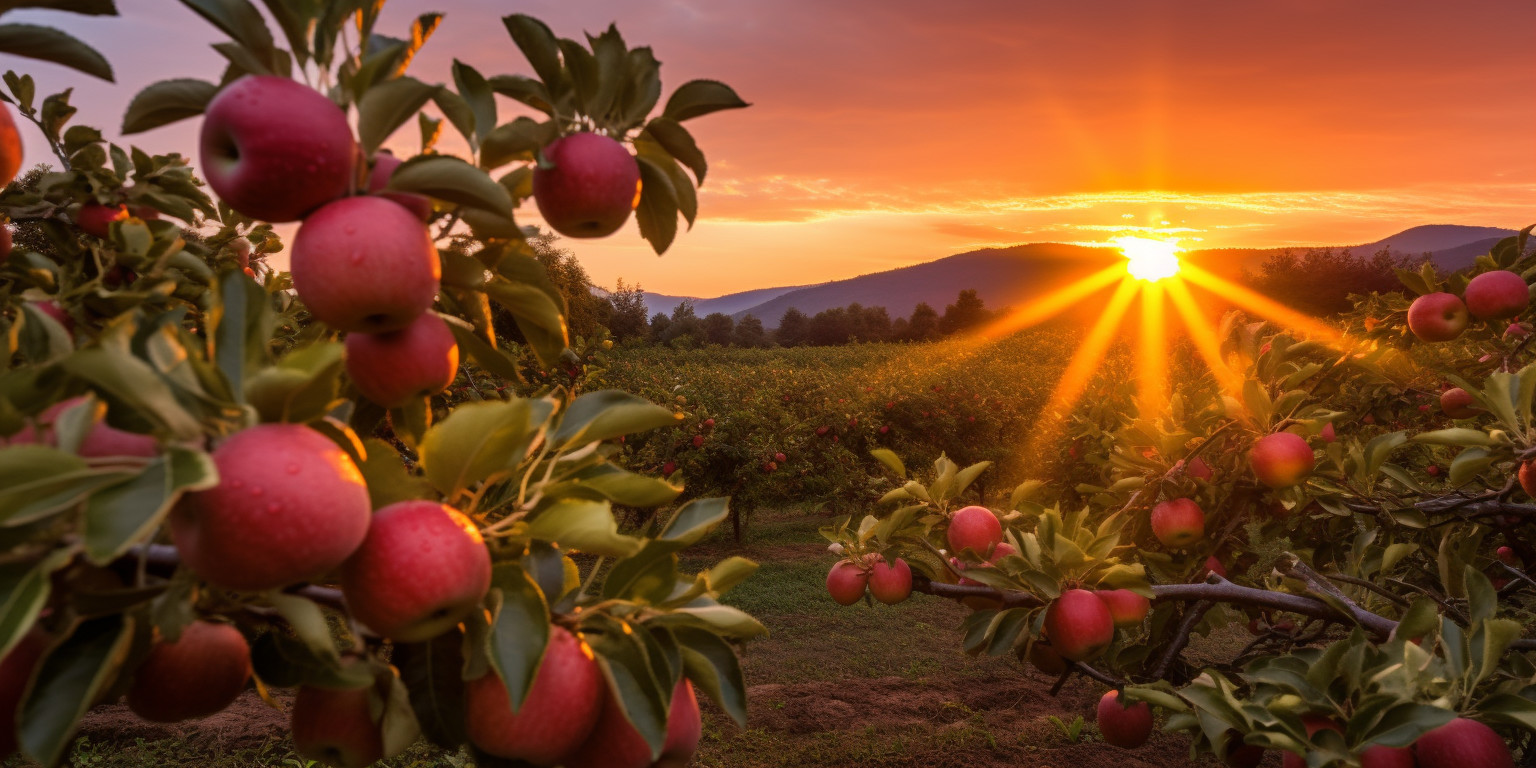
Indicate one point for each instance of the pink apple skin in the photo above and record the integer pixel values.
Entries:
(1124, 723)
(1496, 295)
(365, 265)
(200, 674)
(393, 368)
(1127, 608)
(1213, 565)
(557, 715)
(1079, 625)
(96, 219)
(1462, 743)
(336, 727)
(615, 743)
(52, 309)
(1178, 523)
(1387, 757)
(10, 147)
(101, 442)
(274, 149)
(1328, 434)
(846, 582)
(1437, 317)
(422, 567)
(290, 506)
(1281, 459)
(890, 584)
(1457, 403)
(1313, 724)
(384, 165)
(591, 189)
(974, 528)
(1198, 468)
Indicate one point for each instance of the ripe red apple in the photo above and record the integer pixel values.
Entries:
(96, 219)
(101, 441)
(1328, 434)
(1079, 625)
(846, 582)
(885, 429)
(780, 458)
(200, 674)
(593, 185)
(1197, 467)
(1127, 608)
(1213, 565)
(557, 715)
(1437, 317)
(15, 672)
(290, 506)
(337, 727)
(890, 584)
(708, 424)
(1462, 743)
(275, 149)
(1457, 403)
(668, 468)
(1281, 459)
(615, 743)
(422, 567)
(1002, 550)
(1527, 475)
(1177, 523)
(365, 264)
(822, 431)
(698, 441)
(1507, 556)
(10, 149)
(1387, 757)
(1122, 722)
(384, 165)
(1497, 294)
(1313, 723)
(394, 368)
(974, 528)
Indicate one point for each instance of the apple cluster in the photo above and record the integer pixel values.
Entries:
(1495, 295)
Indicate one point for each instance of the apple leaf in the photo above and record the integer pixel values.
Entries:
(48, 44)
(712, 665)
(24, 590)
(657, 214)
(586, 526)
(433, 673)
(607, 414)
(387, 106)
(69, 680)
(121, 515)
(538, 316)
(386, 476)
(520, 631)
(451, 179)
(679, 143)
(523, 89)
(696, 98)
(695, 520)
(644, 697)
(478, 440)
(477, 94)
(542, 49)
(167, 102)
(517, 141)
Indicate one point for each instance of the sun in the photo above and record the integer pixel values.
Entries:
(1149, 259)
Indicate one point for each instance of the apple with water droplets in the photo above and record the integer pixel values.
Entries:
(422, 567)
(365, 264)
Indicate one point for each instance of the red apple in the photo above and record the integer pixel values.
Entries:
(1387, 757)
(275, 149)
(1328, 434)
(1127, 608)
(5, 235)
(1177, 523)
(708, 424)
(337, 727)
(384, 165)
(846, 582)
(1122, 722)
(96, 219)
(615, 743)
(1527, 475)
(100, 442)
(698, 441)
(1313, 723)
(890, 584)
(290, 506)
(1457, 403)
(1497, 294)
(10, 149)
(1197, 467)
(1002, 550)
(1507, 556)
(1281, 459)
(15, 672)
(557, 715)
(591, 187)
(780, 458)
(365, 264)
(1462, 743)
(200, 674)
(668, 468)
(1437, 317)
(394, 368)
(1079, 625)
(1213, 565)
(974, 528)
(422, 567)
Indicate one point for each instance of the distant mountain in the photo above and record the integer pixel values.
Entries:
(1435, 238)
(729, 304)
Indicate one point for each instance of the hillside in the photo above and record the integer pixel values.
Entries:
(729, 304)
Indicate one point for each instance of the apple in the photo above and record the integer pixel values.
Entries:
(1281, 459)
(1437, 317)
(10, 148)
(1046, 659)
(100, 442)
(780, 458)
(1213, 565)
(201, 673)
(96, 219)
(396, 367)
(1126, 608)
(1496, 295)
(1079, 625)
(1177, 523)
(587, 186)
(337, 727)
(5, 238)
(275, 149)
(846, 582)
(1197, 467)
(1527, 475)
(54, 310)
(1462, 743)
(384, 165)
(1457, 403)
(1122, 722)
(890, 584)
(422, 567)
(1387, 757)
(974, 528)
(668, 468)
(1328, 434)
(15, 672)
(698, 441)
(290, 506)
(708, 424)
(557, 715)
(1507, 556)
(1313, 724)
(365, 264)
(615, 743)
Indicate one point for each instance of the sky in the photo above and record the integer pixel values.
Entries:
(885, 133)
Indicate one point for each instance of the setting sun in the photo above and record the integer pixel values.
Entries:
(1150, 259)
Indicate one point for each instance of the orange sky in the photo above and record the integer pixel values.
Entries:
(890, 132)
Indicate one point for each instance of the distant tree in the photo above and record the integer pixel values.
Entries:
(1319, 281)
(924, 323)
(750, 333)
(899, 329)
(683, 324)
(830, 327)
(584, 311)
(626, 318)
(794, 328)
(718, 328)
(871, 324)
(966, 313)
(659, 324)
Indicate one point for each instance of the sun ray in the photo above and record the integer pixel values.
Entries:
(1263, 306)
(1050, 305)
(1085, 361)
(1152, 358)
(1204, 338)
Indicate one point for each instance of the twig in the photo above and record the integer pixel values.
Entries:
(1181, 638)
(1372, 586)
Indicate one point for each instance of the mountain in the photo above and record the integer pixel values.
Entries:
(729, 304)
(1435, 238)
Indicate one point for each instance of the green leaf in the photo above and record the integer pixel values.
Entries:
(294, 17)
(493, 360)
(525, 290)
(479, 440)
(657, 214)
(48, 44)
(24, 590)
(477, 93)
(1461, 436)
(679, 143)
(523, 89)
(621, 487)
(433, 673)
(240, 20)
(586, 526)
(540, 46)
(517, 141)
(120, 516)
(1469, 464)
(520, 632)
(635, 685)
(72, 677)
(388, 481)
(242, 324)
(387, 106)
(729, 572)
(308, 622)
(606, 414)
(700, 97)
(166, 102)
(37, 481)
(694, 520)
(712, 665)
(130, 380)
(890, 461)
(451, 179)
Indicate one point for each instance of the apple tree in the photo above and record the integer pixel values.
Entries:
(214, 471)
